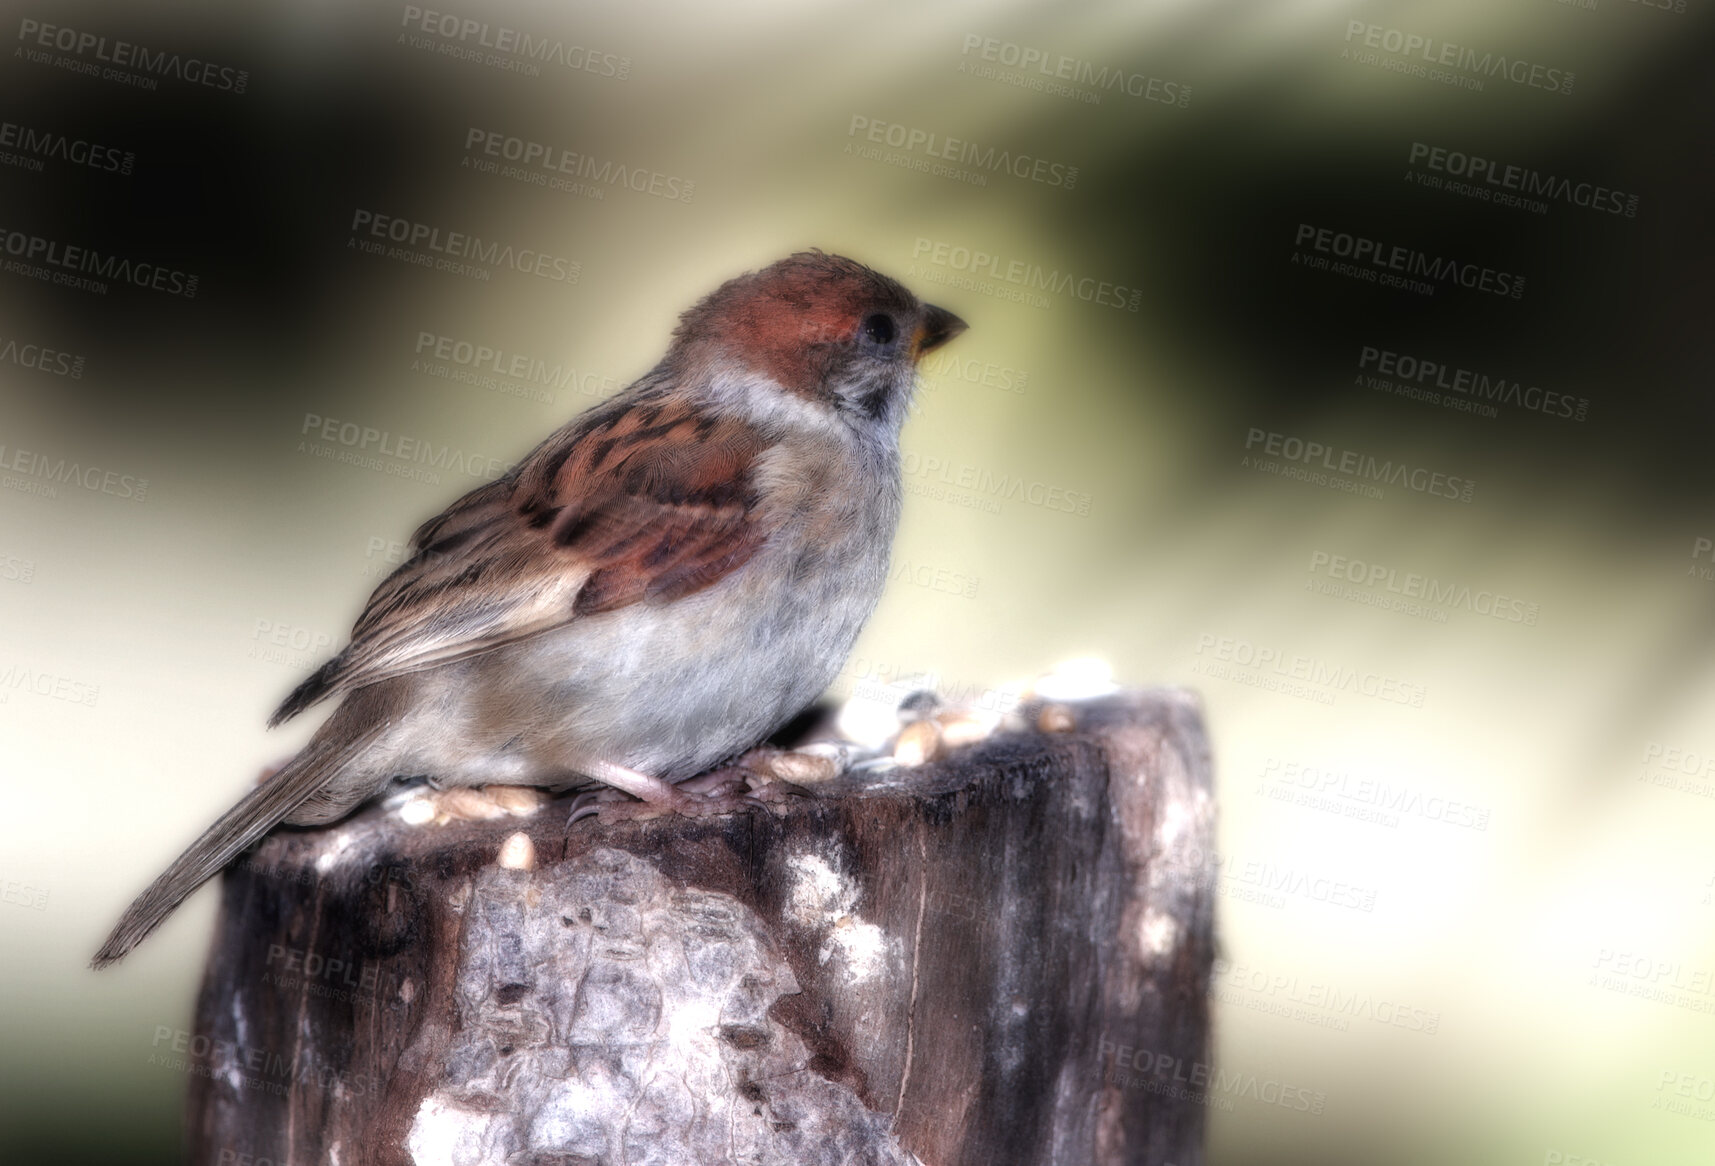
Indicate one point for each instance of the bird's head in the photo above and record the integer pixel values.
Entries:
(825, 329)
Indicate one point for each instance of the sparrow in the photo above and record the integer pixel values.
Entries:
(661, 584)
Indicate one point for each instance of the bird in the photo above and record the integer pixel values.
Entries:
(658, 586)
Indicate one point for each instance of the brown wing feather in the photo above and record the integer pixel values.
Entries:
(644, 504)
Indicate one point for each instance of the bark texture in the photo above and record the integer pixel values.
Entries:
(937, 965)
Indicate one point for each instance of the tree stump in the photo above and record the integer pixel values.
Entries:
(949, 963)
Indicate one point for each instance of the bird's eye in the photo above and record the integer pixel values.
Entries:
(879, 328)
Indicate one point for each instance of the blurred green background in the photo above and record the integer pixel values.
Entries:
(1462, 742)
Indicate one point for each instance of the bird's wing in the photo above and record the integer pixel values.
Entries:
(645, 503)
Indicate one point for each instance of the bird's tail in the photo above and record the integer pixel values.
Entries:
(259, 811)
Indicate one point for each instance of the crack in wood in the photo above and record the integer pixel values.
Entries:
(916, 949)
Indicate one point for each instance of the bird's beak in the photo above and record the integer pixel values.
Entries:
(938, 326)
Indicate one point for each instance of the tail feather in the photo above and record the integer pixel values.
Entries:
(318, 686)
(258, 812)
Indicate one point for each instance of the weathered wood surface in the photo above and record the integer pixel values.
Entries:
(963, 962)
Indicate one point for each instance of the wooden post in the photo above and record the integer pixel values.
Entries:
(993, 958)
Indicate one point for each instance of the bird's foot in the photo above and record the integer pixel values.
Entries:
(612, 806)
(770, 775)
(762, 778)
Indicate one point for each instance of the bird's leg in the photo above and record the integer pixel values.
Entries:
(716, 792)
(638, 785)
(722, 782)
(763, 775)
(588, 803)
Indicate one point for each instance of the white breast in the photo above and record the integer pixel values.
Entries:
(671, 689)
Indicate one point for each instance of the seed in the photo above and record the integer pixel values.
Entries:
(517, 852)
(918, 742)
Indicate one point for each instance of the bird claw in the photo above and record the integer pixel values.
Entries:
(762, 777)
(612, 812)
(715, 783)
(707, 796)
(588, 803)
